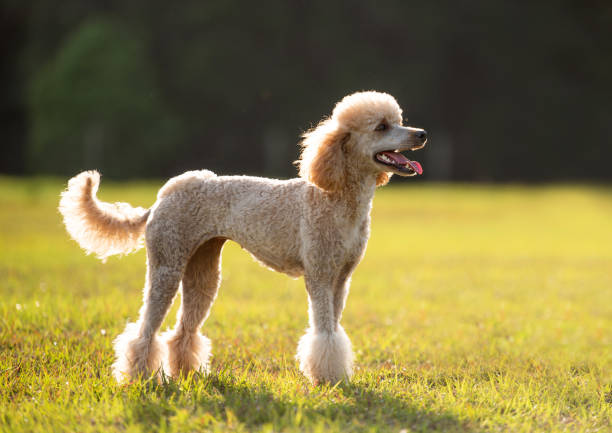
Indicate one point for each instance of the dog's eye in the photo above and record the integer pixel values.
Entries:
(381, 127)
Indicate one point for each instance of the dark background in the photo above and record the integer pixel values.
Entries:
(508, 91)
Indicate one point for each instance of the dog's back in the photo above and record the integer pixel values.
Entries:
(262, 215)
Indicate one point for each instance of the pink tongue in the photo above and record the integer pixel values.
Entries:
(402, 160)
(416, 166)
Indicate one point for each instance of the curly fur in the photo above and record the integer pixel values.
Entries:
(323, 160)
(316, 225)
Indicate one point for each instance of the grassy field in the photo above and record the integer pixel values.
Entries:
(476, 308)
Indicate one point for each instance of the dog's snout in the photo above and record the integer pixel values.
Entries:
(422, 135)
(419, 139)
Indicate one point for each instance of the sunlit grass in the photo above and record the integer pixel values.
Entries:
(476, 308)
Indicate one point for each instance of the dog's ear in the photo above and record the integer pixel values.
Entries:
(327, 168)
(323, 159)
(383, 178)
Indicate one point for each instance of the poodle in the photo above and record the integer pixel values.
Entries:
(316, 226)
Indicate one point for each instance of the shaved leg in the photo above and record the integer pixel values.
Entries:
(138, 350)
(188, 350)
(324, 352)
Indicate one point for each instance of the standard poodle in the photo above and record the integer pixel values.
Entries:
(316, 225)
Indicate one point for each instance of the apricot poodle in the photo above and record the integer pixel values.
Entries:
(316, 225)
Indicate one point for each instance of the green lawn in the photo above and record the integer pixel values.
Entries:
(476, 308)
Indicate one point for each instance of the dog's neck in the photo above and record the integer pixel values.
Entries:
(357, 194)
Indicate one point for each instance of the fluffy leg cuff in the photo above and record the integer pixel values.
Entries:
(325, 357)
(137, 355)
(187, 352)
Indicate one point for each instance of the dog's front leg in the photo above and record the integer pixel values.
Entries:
(324, 352)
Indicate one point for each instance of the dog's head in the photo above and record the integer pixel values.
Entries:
(363, 135)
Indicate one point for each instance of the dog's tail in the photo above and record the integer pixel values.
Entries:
(101, 228)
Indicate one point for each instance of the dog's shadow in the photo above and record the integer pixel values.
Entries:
(351, 407)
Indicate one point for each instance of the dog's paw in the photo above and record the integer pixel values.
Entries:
(325, 357)
(187, 352)
(137, 356)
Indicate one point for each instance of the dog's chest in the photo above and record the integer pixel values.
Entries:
(356, 239)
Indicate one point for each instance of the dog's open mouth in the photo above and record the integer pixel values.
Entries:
(399, 162)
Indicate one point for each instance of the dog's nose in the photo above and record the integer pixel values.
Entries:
(422, 135)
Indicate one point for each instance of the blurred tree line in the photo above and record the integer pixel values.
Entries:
(507, 90)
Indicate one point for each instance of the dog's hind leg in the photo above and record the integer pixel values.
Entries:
(138, 350)
(324, 352)
(187, 349)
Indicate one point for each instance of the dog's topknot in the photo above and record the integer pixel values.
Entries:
(362, 109)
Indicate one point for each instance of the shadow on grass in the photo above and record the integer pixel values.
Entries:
(347, 407)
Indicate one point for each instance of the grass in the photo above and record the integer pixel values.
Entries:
(476, 308)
